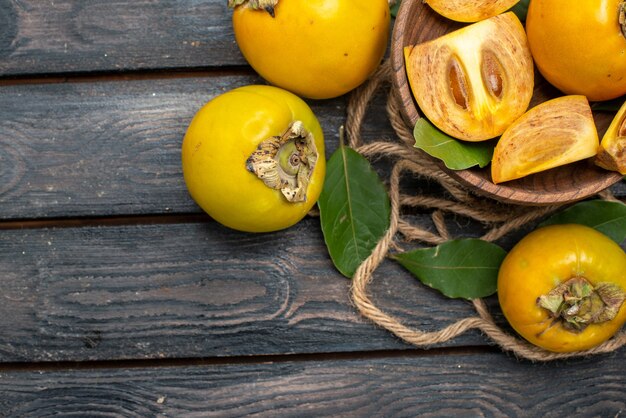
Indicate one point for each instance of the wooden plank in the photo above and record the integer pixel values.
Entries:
(451, 385)
(112, 147)
(194, 290)
(86, 35)
(100, 148)
(111, 144)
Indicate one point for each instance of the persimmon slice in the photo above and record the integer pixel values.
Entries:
(470, 10)
(612, 151)
(554, 133)
(474, 82)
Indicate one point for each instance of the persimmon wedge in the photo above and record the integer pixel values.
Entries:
(470, 10)
(551, 134)
(474, 82)
(612, 151)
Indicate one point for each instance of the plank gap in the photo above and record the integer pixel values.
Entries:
(243, 360)
(126, 75)
(120, 220)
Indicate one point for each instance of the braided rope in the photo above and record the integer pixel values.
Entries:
(503, 218)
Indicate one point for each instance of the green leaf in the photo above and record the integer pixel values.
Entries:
(354, 209)
(456, 155)
(607, 217)
(521, 9)
(394, 8)
(463, 268)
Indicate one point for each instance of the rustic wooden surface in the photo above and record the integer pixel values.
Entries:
(121, 298)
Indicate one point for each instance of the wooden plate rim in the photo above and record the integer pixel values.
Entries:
(510, 192)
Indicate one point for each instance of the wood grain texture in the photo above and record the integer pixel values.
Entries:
(226, 323)
(113, 147)
(194, 290)
(64, 145)
(100, 148)
(38, 37)
(466, 385)
(417, 22)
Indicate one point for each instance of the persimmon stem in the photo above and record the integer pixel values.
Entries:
(267, 5)
(286, 162)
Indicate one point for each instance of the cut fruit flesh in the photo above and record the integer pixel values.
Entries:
(612, 151)
(554, 133)
(474, 82)
(470, 10)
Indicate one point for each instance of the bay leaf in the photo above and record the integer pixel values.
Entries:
(354, 209)
(455, 154)
(394, 8)
(521, 9)
(605, 216)
(462, 268)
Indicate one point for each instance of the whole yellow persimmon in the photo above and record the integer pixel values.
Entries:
(580, 47)
(562, 287)
(253, 158)
(318, 49)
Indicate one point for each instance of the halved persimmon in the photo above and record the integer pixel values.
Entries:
(470, 10)
(474, 82)
(554, 133)
(612, 151)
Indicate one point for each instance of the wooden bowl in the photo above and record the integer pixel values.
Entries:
(416, 22)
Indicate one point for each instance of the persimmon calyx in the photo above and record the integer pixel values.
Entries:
(267, 5)
(578, 304)
(286, 162)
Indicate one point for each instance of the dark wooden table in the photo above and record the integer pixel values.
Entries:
(119, 297)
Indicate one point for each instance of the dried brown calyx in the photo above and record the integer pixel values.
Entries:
(267, 5)
(286, 162)
(577, 304)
